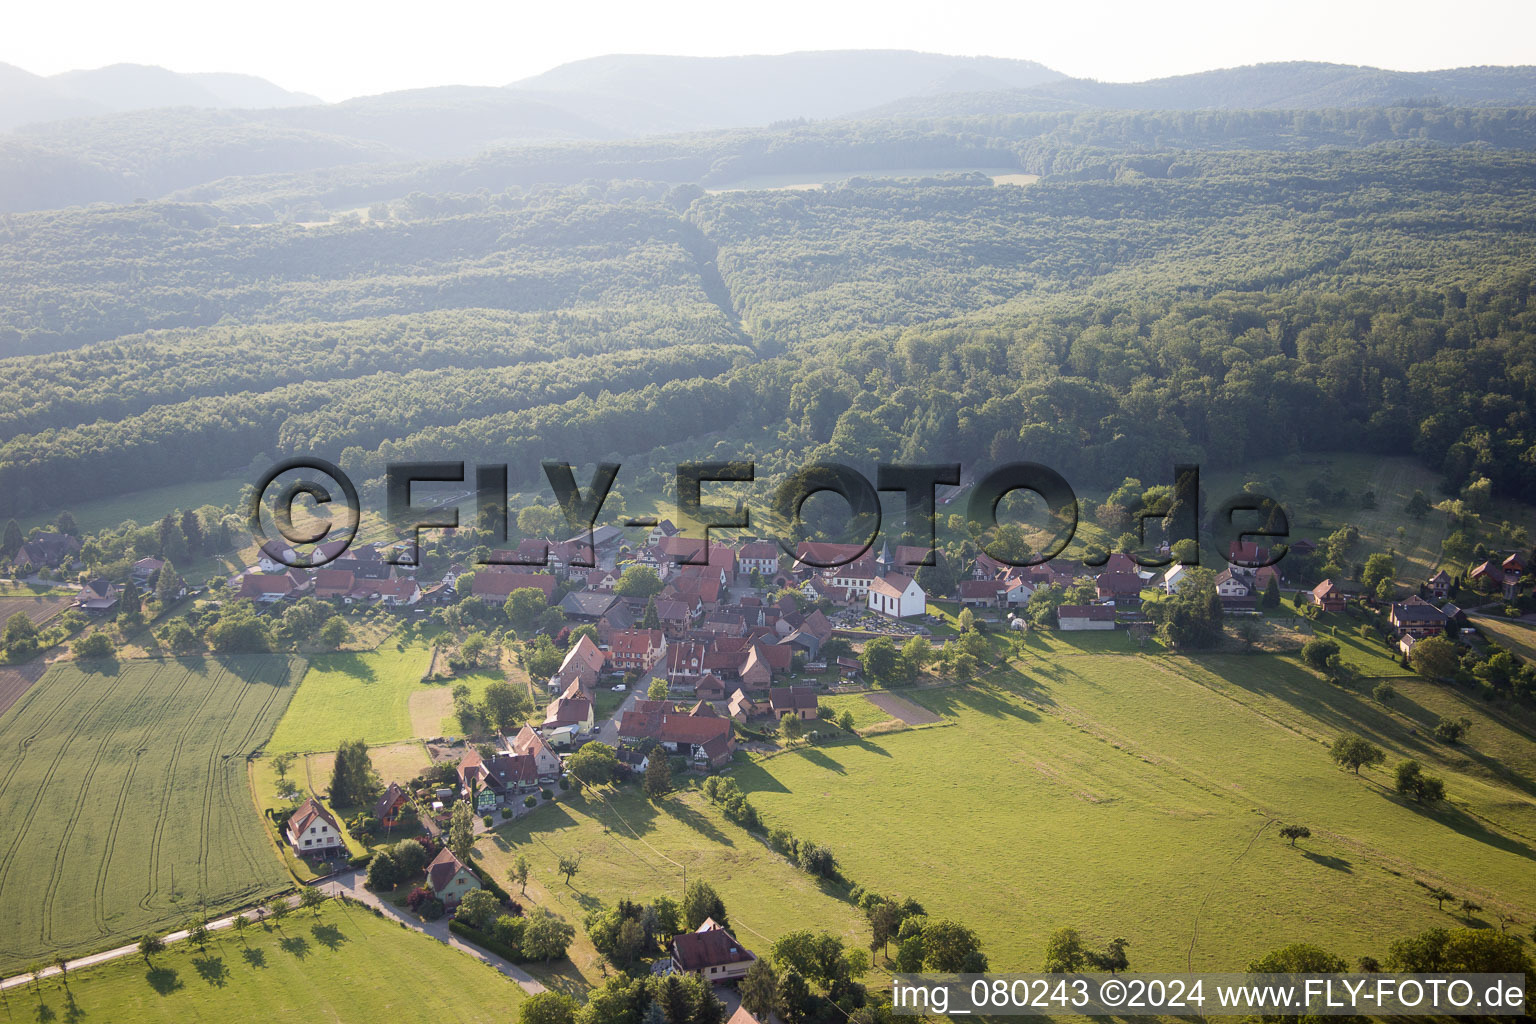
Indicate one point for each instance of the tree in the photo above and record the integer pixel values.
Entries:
(792, 727)
(1356, 752)
(518, 872)
(879, 659)
(951, 948)
(546, 936)
(658, 776)
(1384, 693)
(168, 584)
(461, 831)
(1064, 953)
(701, 902)
(149, 945)
(1412, 781)
(335, 632)
(523, 608)
(1272, 594)
(479, 909)
(1452, 730)
(1378, 568)
(569, 865)
(1299, 958)
(241, 923)
(1113, 959)
(845, 721)
(594, 764)
(1418, 505)
(651, 619)
(638, 581)
(198, 934)
(548, 1008)
(13, 539)
(1319, 652)
(658, 689)
(280, 764)
(1471, 950)
(192, 531)
(354, 783)
(794, 998)
(1440, 895)
(884, 919)
(1295, 832)
(1434, 657)
(311, 898)
(277, 907)
(760, 989)
(93, 645)
(505, 704)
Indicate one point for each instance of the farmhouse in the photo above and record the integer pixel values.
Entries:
(331, 583)
(573, 713)
(712, 953)
(1417, 618)
(266, 589)
(1439, 585)
(496, 585)
(1327, 596)
(704, 738)
(760, 556)
(636, 649)
(498, 779)
(449, 879)
(313, 832)
(1120, 587)
(527, 741)
(1072, 617)
(1500, 575)
(582, 664)
(896, 596)
(799, 701)
(48, 550)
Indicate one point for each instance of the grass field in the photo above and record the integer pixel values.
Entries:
(345, 964)
(144, 507)
(351, 696)
(632, 848)
(1518, 637)
(1141, 796)
(865, 714)
(126, 803)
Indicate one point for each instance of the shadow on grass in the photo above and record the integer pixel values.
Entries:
(821, 760)
(562, 977)
(696, 821)
(1459, 820)
(296, 946)
(212, 970)
(163, 980)
(328, 935)
(1328, 861)
(254, 957)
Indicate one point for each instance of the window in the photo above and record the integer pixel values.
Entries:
(309, 842)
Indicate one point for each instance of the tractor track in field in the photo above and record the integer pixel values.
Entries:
(157, 834)
(218, 776)
(119, 812)
(26, 741)
(1194, 937)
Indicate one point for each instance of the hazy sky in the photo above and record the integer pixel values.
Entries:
(337, 50)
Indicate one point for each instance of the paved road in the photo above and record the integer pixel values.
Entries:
(351, 885)
(608, 732)
(122, 951)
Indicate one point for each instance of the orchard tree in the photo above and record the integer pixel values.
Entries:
(1295, 832)
(1356, 752)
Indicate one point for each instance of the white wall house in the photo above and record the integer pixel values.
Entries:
(897, 596)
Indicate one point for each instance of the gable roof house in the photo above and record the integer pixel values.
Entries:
(1418, 618)
(896, 596)
(449, 879)
(495, 584)
(388, 807)
(47, 550)
(264, 588)
(1439, 585)
(546, 761)
(582, 664)
(1120, 587)
(497, 779)
(704, 738)
(799, 701)
(312, 831)
(586, 605)
(1070, 617)
(712, 953)
(1327, 596)
(99, 596)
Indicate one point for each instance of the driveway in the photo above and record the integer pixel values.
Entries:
(608, 731)
(351, 885)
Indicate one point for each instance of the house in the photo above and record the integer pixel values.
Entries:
(817, 555)
(897, 596)
(1439, 585)
(47, 550)
(398, 593)
(331, 583)
(674, 615)
(745, 1016)
(496, 585)
(602, 580)
(498, 779)
(1231, 587)
(660, 532)
(1418, 618)
(709, 687)
(388, 807)
(313, 832)
(545, 760)
(572, 713)
(849, 668)
(1496, 574)
(981, 593)
(1327, 596)
(742, 707)
(265, 588)
(449, 879)
(760, 556)
(799, 701)
(1071, 617)
(145, 568)
(1173, 578)
(704, 738)
(583, 664)
(1406, 644)
(1121, 587)
(636, 649)
(99, 596)
(585, 605)
(712, 953)
(756, 672)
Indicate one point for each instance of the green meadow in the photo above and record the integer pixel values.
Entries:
(343, 964)
(348, 696)
(1141, 796)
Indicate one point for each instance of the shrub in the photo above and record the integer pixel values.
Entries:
(489, 821)
(431, 908)
(547, 794)
(418, 895)
(565, 784)
(530, 800)
(489, 943)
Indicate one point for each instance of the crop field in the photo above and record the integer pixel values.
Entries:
(344, 964)
(126, 802)
(355, 696)
(37, 603)
(631, 847)
(1141, 796)
(15, 680)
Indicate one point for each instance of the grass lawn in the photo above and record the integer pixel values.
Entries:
(865, 714)
(1141, 796)
(344, 965)
(632, 848)
(126, 802)
(348, 696)
(431, 704)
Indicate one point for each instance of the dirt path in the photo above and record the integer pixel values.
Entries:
(900, 707)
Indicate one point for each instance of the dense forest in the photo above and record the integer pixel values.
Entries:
(1212, 287)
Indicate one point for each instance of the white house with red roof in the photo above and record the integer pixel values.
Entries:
(896, 596)
(313, 832)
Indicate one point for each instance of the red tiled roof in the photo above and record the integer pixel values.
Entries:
(695, 951)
